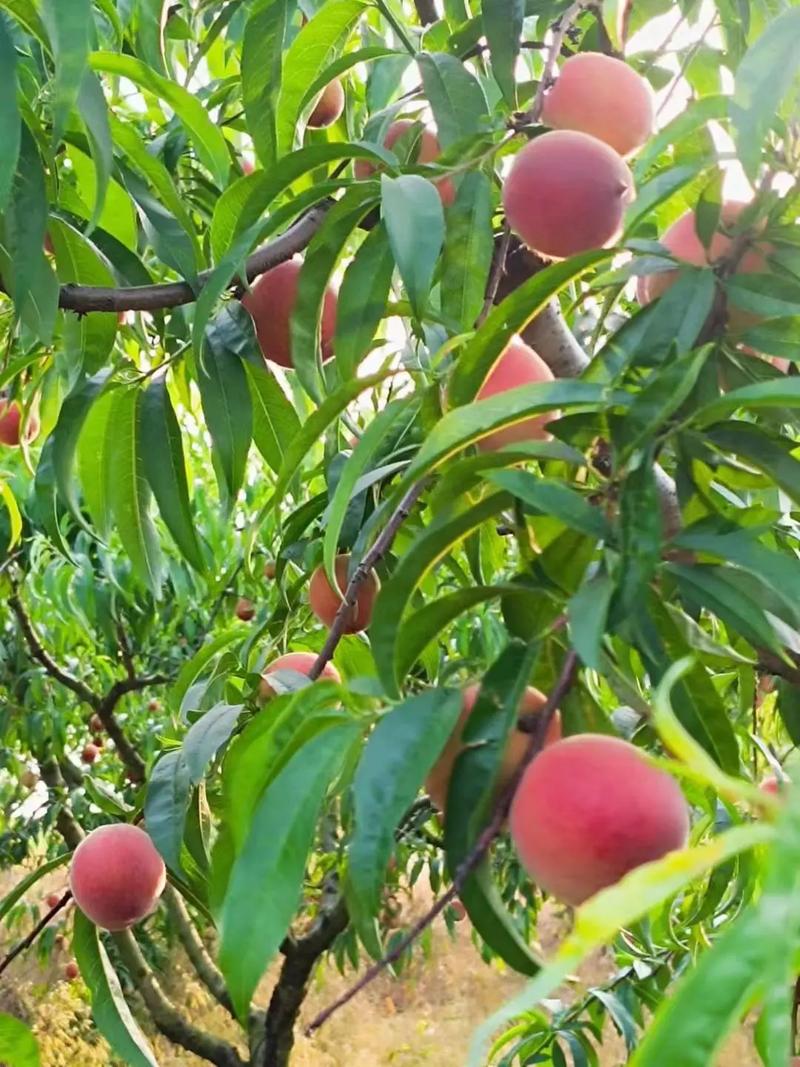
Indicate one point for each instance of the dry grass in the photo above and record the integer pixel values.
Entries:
(424, 1019)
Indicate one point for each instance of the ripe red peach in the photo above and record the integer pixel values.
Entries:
(329, 106)
(270, 570)
(245, 609)
(325, 601)
(682, 240)
(270, 303)
(438, 781)
(588, 810)
(10, 424)
(96, 724)
(603, 96)
(117, 876)
(773, 785)
(517, 365)
(90, 753)
(52, 899)
(153, 705)
(71, 971)
(302, 662)
(428, 151)
(566, 192)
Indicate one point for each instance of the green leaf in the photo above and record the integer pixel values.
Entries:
(262, 72)
(471, 795)
(641, 533)
(401, 751)
(95, 114)
(275, 421)
(598, 921)
(136, 154)
(546, 496)
(502, 27)
(30, 880)
(465, 425)
(88, 339)
(206, 736)
(457, 100)
(128, 491)
(18, 1046)
(14, 514)
(314, 427)
(317, 43)
(763, 80)
(662, 395)
(9, 112)
(69, 26)
(468, 250)
(192, 669)
(29, 276)
(780, 392)
(273, 861)
(708, 587)
(587, 612)
(165, 467)
(225, 397)
(110, 1011)
(707, 1003)
(362, 300)
(319, 262)
(427, 549)
(373, 437)
(764, 294)
(67, 432)
(207, 138)
(94, 470)
(412, 211)
(417, 630)
(775, 337)
(510, 316)
(150, 22)
(169, 788)
(663, 185)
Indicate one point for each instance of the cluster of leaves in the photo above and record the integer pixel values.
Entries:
(142, 510)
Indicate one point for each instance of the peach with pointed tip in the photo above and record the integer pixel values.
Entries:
(271, 302)
(588, 810)
(428, 150)
(438, 781)
(301, 662)
(117, 876)
(517, 365)
(566, 192)
(325, 601)
(329, 106)
(603, 96)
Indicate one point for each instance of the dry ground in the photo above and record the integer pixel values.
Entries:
(424, 1019)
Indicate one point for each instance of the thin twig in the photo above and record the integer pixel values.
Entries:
(498, 270)
(558, 31)
(536, 725)
(379, 549)
(38, 652)
(85, 298)
(26, 942)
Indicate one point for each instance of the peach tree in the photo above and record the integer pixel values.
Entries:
(392, 392)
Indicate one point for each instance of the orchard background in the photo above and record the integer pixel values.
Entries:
(392, 391)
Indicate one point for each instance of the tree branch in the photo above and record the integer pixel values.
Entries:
(426, 11)
(379, 549)
(26, 942)
(536, 725)
(39, 653)
(290, 990)
(85, 298)
(206, 969)
(163, 1012)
